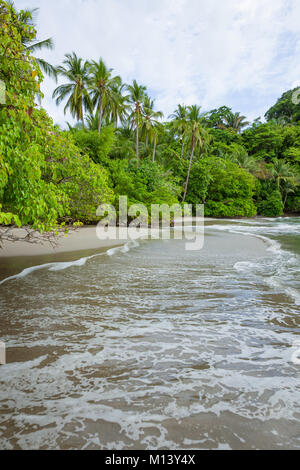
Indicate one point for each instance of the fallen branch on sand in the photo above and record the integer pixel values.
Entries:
(26, 234)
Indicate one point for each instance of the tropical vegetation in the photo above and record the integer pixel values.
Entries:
(120, 144)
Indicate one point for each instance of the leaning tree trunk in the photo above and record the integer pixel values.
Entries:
(100, 114)
(154, 149)
(189, 171)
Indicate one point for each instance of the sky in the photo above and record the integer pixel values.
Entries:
(240, 53)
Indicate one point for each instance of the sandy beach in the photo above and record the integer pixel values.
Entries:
(83, 238)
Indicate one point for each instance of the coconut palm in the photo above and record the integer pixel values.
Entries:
(102, 87)
(75, 91)
(150, 117)
(283, 173)
(179, 118)
(28, 18)
(118, 107)
(235, 122)
(125, 143)
(156, 129)
(150, 122)
(198, 136)
(136, 98)
(148, 109)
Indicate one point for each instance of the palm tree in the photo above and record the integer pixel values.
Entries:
(118, 107)
(263, 171)
(157, 127)
(77, 73)
(283, 173)
(288, 188)
(92, 120)
(235, 122)
(150, 122)
(282, 121)
(243, 160)
(136, 98)
(124, 145)
(179, 118)
(102, 86)
(198, 136)
(28, 18)
(148, 109)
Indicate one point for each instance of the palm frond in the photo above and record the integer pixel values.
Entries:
(38, 46)
(47, 68)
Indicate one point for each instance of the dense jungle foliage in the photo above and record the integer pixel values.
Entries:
(121, 145)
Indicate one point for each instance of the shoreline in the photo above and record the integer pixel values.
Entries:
(85, 239)
(83, 245)
(82, 239)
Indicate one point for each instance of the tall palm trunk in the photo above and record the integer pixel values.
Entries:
(81, 115)
(100, 113)
(189, 171)
(137, 146)
(154, 149)
(182, 149)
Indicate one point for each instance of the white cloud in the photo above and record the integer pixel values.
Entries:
(240, 53)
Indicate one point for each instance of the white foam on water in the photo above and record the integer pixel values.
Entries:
(244, 266)
(256, 227)
(282, 261)
(50, 266)
(273, 245)
(61, 266)
(26, 272)
(278, 284)
(152, 364)
(282, 257)
(123, 249)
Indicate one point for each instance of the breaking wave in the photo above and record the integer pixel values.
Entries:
(61, 266)
(279, 271)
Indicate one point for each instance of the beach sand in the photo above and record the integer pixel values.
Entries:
(83, 238)
(84, 243)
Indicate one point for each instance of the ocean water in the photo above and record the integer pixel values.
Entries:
(149, 346)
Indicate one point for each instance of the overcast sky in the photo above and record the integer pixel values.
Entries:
(239, 53)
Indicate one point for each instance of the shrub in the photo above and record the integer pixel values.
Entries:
(97, 146)
(272, 206)
(226, 189)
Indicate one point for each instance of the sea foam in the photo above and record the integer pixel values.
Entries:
(61, 266)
